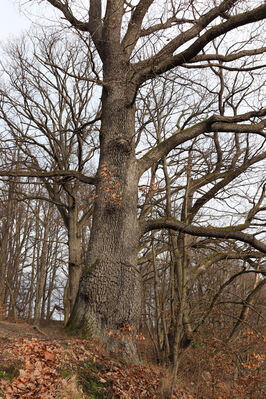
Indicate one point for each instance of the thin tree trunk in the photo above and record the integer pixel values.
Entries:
(75, 267)
(41, 269)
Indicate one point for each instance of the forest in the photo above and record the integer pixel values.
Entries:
(132, 186)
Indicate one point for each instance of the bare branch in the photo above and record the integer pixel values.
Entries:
(229, 57)
(63, 7)
(93, 26)
(233, 232)
(246, 304)
(134, 27)
(167, 24)
(64, 174)
(72, 75)
(216, 123)
(165, 60)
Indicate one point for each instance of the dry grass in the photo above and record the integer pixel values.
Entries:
(69, 389)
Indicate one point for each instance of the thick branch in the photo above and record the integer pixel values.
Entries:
(83, 26)
(226, 68)
(72, 174)
(93, 26)
(228, 177)
(228, 57)
(95, 21)
(226, 232)
(134, 27)
(256, 128)
(173, 21)
(216, 123)
(165, 60)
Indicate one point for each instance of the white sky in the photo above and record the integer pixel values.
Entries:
(17, 16)
(12, 20)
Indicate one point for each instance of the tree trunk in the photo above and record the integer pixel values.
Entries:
(110, 289)
(3, 260)
(75, 266)
(41, 268)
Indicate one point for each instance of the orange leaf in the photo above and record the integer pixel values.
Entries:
(49, 355)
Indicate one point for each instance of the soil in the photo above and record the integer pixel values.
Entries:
(52, 330)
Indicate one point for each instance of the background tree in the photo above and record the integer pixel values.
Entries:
(194, 185)
(45, 113)
(32, 250)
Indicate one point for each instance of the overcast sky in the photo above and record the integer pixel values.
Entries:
(15, 18)
(12, 20)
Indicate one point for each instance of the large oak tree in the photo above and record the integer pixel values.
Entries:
(137, 41)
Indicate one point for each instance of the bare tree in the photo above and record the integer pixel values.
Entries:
(213, 179)
(45, 113)
(136, 42)
(31, 251)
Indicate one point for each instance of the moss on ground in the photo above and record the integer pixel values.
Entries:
(89, 382)
(87, 379)
(9, 372)
(66, 373)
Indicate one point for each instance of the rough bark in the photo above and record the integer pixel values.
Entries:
(110, 289)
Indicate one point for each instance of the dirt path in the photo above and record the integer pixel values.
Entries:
(51, 330)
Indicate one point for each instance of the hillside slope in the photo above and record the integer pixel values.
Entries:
(45, 363)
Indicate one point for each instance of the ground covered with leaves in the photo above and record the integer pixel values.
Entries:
(44, 363)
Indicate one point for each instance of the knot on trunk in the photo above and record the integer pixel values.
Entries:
(122, 145)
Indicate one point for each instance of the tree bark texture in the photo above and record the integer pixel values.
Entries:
(110, 289)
